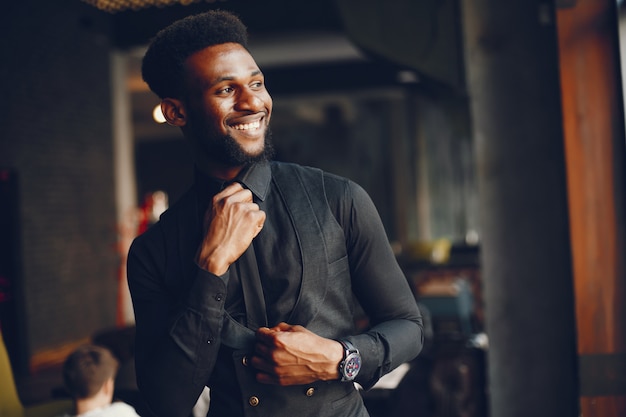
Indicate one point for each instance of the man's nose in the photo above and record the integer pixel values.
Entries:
(249, 100)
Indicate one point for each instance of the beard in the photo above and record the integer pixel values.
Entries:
(225, 150)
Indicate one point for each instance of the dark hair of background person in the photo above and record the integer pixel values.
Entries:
(86, 369)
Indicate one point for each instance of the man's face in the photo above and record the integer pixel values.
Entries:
(228, 107)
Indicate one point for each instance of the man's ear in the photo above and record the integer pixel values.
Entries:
(174, 112)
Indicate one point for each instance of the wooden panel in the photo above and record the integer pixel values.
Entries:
(593, 127)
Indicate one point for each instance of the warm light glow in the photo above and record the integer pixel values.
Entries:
(114, 6)
(157, 114)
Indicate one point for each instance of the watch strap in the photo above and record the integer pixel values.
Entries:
(347, 347)
(348, 351)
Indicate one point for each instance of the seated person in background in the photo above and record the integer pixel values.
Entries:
(89, 376)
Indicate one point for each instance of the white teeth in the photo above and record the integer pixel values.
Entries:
(248, 126)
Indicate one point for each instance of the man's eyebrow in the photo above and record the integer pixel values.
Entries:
(232, 77)
(224, 78)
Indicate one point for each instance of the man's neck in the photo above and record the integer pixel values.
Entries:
(222, 172)
(88, 404)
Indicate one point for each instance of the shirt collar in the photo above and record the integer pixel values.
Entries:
(255, 177)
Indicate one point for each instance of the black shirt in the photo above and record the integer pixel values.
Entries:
(276, 268)
(179, 310)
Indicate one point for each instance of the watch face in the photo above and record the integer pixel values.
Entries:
(352, 366)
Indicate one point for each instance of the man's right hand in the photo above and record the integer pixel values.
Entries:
(232, 221)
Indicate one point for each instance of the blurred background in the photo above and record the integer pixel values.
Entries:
(489, 135)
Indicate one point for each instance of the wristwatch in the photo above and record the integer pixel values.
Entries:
(350, 365)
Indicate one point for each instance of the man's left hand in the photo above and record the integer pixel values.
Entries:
(291, 355)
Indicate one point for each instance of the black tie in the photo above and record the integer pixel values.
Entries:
(248, 274)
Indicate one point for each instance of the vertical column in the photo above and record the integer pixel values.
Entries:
(593, 121)
(512, 67)
(125, 178)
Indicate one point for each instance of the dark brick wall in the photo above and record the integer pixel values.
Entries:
(55, 119)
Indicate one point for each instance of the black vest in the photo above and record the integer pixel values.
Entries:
(325, 276)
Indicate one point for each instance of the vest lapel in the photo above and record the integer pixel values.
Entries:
(309, 233)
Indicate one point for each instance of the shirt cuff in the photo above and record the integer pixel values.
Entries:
(207, 286)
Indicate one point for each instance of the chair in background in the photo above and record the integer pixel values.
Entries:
(10, 403)
(450, 304)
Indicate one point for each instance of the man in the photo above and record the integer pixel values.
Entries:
(247, 284)
(89, 376)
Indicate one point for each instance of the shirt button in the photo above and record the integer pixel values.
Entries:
(253, 401)
(310, 392)
(244, 360)
(219, 297)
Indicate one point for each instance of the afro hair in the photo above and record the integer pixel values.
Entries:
(164, 60)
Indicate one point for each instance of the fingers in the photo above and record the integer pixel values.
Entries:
(236, 191)
(284, 327)
(234, 195)
(266, 337)
(260, 221)
(233, 222)
(290, 354)
(271, 336)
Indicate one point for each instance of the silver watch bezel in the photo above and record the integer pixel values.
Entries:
(350, 365)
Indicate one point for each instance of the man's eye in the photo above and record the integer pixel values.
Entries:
(257, 84)
(225, 90)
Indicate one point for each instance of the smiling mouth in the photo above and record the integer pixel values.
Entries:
(247, 126)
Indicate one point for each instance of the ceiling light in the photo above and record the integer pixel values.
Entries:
(114, 6)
